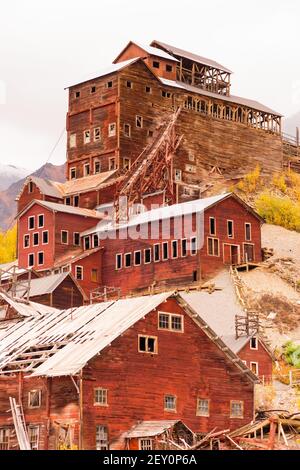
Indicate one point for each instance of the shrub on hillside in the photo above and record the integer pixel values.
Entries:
(8, 245)
(279, 211)
(251, 182)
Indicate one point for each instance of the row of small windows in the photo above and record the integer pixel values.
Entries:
(36, 239)
(32, 223)
(159, 252)
(40, 259)
(87, 171)
(88, 135)
(230, 229)
(93, 89)
(170, 404)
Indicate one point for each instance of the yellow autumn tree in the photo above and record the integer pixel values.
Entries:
(8, 245)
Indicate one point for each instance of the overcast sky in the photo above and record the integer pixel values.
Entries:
(45, 45)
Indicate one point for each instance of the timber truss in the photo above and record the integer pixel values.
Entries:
(151, 171)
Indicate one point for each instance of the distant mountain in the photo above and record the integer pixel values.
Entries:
(8, 206)
(9, 174)
(290, 124)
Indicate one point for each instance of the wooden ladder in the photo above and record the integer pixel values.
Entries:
(20, 425)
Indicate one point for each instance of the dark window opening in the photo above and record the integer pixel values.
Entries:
(45, 237)
(73, 173)
(118, 261)
(26, 241)
(169, 68)
(96, 241)
(64, 237)
(147, 256)
(35, 239)
(30, 187)
(156, 64)
(148, 89)
(76, 201)
(230, 228)
(41, 221)
(97, 167)
(195, 276)
(87, 243)
(174, 249)
(193, 246)
(41, 258)
(129, 84)
(165, 251)
(76, 239)
(30, 260)
(156, 252)
(139, 121)
(93, 89)
(253, 343)
(150, 133)
(127, 260)
(109, 84)
(31, 223)
(183, 248)
(212, 226)
(137, 258)
(77, 94)
(248, 232)
(147, 344)
(165, 94)
(68, 201)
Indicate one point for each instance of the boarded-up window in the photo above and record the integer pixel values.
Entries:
(72, 140)
(178, 175)
(190, 168)
(94, 275)
(213, 246)
(102, 437)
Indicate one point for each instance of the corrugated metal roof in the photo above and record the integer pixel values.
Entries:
(189, 55)
(53, 206)
(42, 285)
(47, 187)
(219, 309)
(103, 72)
(27, 309)
(157, 52)
(149, 429)
(166, 212)
(87, 183)
(231, 99)
(71, 256)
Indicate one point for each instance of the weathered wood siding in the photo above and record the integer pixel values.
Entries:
(261, 357)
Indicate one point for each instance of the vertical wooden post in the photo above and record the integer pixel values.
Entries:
(273, 426)
(81, 411)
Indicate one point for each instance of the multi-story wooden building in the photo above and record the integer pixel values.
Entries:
(85, 376)
(112, 118)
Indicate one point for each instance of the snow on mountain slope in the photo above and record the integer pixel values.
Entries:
(9, 174)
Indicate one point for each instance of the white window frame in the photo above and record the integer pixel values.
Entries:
(148, 443)
(45, 231)
(61, 239)
(103, 443)
(95, 163)
(41, 253)
(201, 413)
(139, 119)
(39, 399)
(190, 168)
(5, 433)
(30, 218)
(87, 136)
(37, 428)
(112, 129)
(193, 253)
(125, 254)
(128, 126)
(170, 410)
(134, 253)
(119, 256)
(95, 245)
(171, 316)
(162, 254)
(213, 245)
(177, 246)
(234, 416)
(24, 236)
(100, 389)
(35, 244)
(232, 236)
(256, 344)
(87, 237)
(150, 251)
(254, 363)
(38, 220)
(31, 254)
(97, 130)
(125, 161)
(177, 174)
(112, 159)
(81, 268)
(150, 89)
(250, 225)
(109, 84)
(147, 338)
(159, 253)
(73, 141)
(186, 247)
(74, 233)
(85, 166)
(70, 172)
(215, 223)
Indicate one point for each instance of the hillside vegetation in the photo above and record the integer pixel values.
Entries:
(275, 198)
(8, 245)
